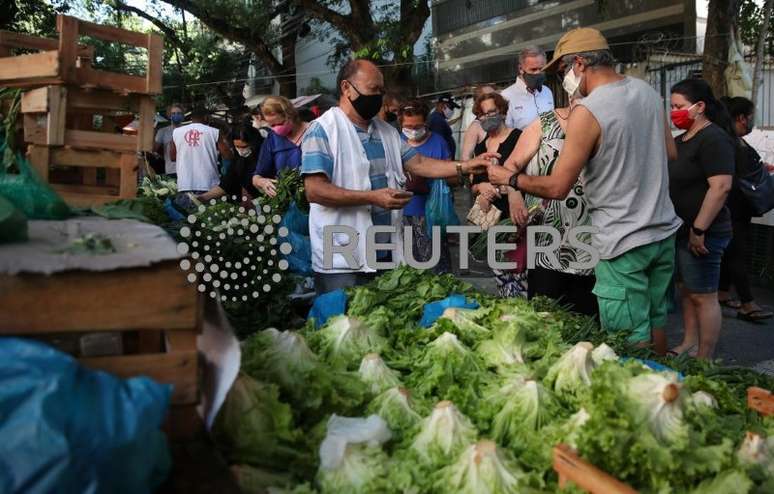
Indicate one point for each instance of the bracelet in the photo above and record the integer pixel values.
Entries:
(460, 176)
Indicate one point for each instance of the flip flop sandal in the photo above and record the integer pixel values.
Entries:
(691, 351)
(731, 303)
(755, 315)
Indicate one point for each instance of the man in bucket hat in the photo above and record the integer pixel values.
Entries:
(618, 138)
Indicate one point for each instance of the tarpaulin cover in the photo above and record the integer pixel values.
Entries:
(434, 310)
(64, 428)
(328, 305)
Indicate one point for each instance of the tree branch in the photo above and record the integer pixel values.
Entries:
(358, 27)
(227, 29)
(413, 15)
(168, 31)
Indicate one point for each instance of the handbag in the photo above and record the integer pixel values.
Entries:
(757, 187)
(478, 217)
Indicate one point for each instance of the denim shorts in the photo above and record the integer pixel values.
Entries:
(701, 274)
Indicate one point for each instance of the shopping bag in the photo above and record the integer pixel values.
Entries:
(439, 209)
(31, 195)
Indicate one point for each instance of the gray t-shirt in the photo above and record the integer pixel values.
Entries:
(627, 182)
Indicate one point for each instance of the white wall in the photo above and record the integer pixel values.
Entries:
(312, 54)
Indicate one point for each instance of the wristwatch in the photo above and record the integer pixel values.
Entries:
(514, 182)
(698, 231)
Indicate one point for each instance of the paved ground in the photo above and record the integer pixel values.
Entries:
(741, 343)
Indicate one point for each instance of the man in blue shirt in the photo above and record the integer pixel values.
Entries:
(439, 121)
(353, 176)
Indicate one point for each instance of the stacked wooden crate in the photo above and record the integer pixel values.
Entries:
(67, 96)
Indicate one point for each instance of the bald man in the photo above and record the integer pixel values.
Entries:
(353, 166)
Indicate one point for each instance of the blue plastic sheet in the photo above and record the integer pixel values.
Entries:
(171, 211)
(65, 428)
(328, 305)
(654, 365)
(439, 208)
(434, 310)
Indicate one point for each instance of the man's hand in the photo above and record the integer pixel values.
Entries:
(696, 245)
(266, 185)
(479, 164)
(499, 175)
(389, 198)
(517, 208)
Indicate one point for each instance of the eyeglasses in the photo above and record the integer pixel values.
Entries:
(492, 113)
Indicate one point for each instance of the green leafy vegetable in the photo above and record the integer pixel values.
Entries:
(375, 373)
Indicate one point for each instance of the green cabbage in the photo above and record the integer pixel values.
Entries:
(443, 434)
(397, 408)
(602, 353)
(660, 400)
(375, 373)
(362, 470)
(254, 427)
(344, 341)
(465, 322)
(572, 372)
(504, 351)
(481, 469)
(527, 410)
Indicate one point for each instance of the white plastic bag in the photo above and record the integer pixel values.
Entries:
(345, 430)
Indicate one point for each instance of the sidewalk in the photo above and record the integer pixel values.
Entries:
(741, 343)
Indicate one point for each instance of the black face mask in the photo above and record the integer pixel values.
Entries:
(534, 82)
(366, 105)
(391, 116)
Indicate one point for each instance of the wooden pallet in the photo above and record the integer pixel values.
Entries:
(63, 61)
(59, 125)
(156, 310)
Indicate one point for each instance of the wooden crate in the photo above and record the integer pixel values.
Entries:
(155, 308)
(572, 468)
(761, 400)
(64, 61)
(58, 124)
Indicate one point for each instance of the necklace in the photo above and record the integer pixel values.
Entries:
(689, 137)
(304, 128)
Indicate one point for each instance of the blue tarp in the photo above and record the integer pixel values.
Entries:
(64, 428)
(328, 305)
(433, 310)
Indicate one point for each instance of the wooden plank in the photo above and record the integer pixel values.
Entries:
(128, 186)
(33, 132)
(122, 83)
(68, 44)
(155, 56)
(178, 368)
(77, 200)
(100, 140)
(10, 39)
(55, 120)
(86, 189)
(32, 66)
(113, 177)
(35, 100)
(110, 33)
(89, 176)
(181, 340)
(39, 159)
(761, 400)
(145, 128)
(96, 100)
(85, 158)
(159, 297)
(572, 468)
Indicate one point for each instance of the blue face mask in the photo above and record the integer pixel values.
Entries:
(176, 118)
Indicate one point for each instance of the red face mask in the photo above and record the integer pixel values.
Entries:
(283, 129)
(682, 118)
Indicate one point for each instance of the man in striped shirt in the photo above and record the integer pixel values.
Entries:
(332, 167)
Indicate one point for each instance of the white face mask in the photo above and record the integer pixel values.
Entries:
(244, 152)
(448, 112)
(571, 83)
(415, 134)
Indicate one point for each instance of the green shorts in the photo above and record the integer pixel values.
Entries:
(631, 289)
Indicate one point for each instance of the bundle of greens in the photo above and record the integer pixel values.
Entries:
(157, 187)
(510, 380)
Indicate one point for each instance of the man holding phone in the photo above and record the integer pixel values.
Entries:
(353, 166)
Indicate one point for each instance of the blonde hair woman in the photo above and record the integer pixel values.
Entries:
(282, 147)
